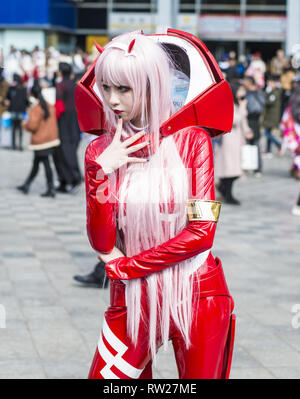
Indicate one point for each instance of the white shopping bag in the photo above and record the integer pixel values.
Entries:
(249, 157)
(5, 137)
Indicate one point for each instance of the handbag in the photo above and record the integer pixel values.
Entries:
(60, 108)
(249, 157)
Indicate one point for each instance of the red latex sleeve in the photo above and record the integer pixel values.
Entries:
(197, 237)
(101, 225)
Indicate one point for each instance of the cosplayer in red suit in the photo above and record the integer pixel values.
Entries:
(151, 209)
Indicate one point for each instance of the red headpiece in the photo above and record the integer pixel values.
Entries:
(208, 101)
(131, 45)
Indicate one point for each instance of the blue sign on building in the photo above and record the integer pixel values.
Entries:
(38, 13)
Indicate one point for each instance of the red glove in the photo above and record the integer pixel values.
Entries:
(197, 237)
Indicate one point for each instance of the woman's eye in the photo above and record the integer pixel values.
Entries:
(105, 87)
(123, 89)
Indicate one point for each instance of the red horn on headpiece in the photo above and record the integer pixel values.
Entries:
(131, 45)
(98, 47)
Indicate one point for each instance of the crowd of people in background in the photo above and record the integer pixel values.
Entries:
(266, 102)
(37, 95)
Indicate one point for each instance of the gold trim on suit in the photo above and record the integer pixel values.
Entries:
(205, 210)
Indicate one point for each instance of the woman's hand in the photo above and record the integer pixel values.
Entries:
(114, 254)
(116, 154)
(249, 135)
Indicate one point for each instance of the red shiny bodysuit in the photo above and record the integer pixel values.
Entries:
(212, 332)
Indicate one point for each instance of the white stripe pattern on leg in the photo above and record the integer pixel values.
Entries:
(115, 360)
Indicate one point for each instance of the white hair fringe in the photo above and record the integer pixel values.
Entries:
(145, 216)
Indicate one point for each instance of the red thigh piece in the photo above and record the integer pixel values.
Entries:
(204, 358)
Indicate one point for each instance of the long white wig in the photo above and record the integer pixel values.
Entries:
(147, 190)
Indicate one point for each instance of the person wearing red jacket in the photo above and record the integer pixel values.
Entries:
(151, 211)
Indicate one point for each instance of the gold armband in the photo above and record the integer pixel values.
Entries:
(205, 210)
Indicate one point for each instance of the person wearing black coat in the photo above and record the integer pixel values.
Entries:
(65, 156)
(17, 101)
(255, 107)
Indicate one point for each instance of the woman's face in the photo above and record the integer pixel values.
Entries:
(120, 100)
(241, 92)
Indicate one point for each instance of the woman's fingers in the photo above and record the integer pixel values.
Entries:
(136, 147)
(138, 160)
(119, 130)
(134, 138)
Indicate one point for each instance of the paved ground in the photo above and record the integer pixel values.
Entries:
(52, 324)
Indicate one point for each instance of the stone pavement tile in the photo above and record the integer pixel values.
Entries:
(271, 315)
(5, 287)
(85, 320)
(47, 244)
(267, 342)
(243, 359)
(32, 224)
(54, 312)
(71, 237)
(165, 366)
(57, 340)
(15, 338)
(250, 373)
(80, 248)
(18, 257)
(58, 265)
(39, 288)
(286, 372)
(15, 346)
(24, 376)
(31, 275)
(276, 358)
(64, 284)
(52, 255)
(66, 228)
(12, 248)
(91, 337)
(88, 301)
(12, 306)
(64, 369)
(248, 299)
(22, 263)
(287, 302)
(35, 301)
(33, 233)
(21, 369)
(289, 335)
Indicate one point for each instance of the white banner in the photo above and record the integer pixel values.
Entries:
(265, 24)
(235, 26)
(126, 22)
(187, 23)
(219, 24)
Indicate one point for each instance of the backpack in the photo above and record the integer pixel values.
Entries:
(255, 103)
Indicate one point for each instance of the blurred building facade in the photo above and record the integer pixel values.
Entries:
(243, 25)
(43, 23)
